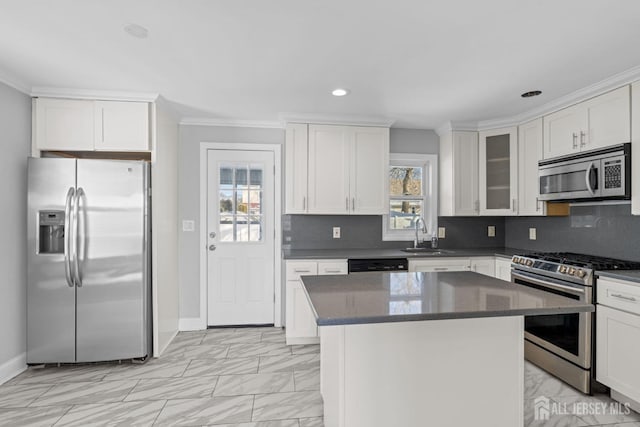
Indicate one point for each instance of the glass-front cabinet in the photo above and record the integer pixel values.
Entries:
(498, 171)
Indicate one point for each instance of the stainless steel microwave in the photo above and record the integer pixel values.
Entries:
(593, 175)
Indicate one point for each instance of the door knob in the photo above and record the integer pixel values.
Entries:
(212, 247)
(212, 234)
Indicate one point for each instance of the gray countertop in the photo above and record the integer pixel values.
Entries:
(381, 297)
(629, 275)
(396, 253)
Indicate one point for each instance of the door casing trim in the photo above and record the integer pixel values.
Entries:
(276, 149)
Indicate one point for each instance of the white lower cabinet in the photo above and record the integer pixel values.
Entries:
(440, 264)
(486, 266)
(301, 325)
(618, 337)
(503, 269)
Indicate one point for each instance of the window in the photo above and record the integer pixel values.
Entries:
(413, 194)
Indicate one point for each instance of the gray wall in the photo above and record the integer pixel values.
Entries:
(189, 199)
(414, 141)
(603, 230)
(15, 128)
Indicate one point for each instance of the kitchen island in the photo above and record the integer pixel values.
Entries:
(424, 349)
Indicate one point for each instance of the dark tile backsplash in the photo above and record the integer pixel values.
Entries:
(365, 231)
(603, 230)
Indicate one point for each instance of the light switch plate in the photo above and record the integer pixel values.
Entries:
(188, 225)
(441, 232)
(336, 232)
(491, 231)
(532, 234)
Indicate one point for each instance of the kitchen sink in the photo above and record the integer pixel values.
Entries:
(426, 251)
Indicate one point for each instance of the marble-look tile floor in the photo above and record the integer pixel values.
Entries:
(245, 377)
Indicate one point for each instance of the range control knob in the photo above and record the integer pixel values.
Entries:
(523, 261)
(572, 271)
(529, 263)
(581, 273)
(563, 269)
(516, 260)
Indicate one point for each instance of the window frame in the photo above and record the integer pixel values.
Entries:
(429, 163)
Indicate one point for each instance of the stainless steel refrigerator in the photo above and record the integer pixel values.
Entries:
(88, 278)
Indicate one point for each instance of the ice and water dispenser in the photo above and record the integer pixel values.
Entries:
(51, 232)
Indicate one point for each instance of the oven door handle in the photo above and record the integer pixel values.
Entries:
(547, 283)
(588, 179)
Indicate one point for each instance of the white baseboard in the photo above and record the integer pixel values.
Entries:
(191, 324)
(13, 367)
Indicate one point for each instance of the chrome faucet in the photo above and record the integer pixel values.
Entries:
(424, 230)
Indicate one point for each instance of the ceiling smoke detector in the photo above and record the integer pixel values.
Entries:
(137, 31)
(340, 92)
(531, 93)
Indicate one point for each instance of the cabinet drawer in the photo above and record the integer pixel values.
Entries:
(295, 269)
(449, 264)
(619, 295)
(332, 267)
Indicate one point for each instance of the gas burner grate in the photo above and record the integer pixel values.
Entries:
(586, 261)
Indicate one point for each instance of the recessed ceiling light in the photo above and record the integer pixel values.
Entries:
(137, 31)
(340, 92)
(531, 93)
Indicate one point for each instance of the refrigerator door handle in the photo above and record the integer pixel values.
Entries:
(67, 236)
(76, 237)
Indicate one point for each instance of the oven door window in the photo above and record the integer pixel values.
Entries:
(560, 330)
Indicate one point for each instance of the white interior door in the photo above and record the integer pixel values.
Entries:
(240, 237)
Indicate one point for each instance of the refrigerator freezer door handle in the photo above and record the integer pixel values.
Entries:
(76, 237)
(67, 236)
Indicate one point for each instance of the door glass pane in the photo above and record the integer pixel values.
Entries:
(240, 203)
(498, 172)
(405, 181)
(403, 214)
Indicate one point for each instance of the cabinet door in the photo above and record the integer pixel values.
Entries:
(301, 324)
(503, 269)
(486, 266)
(442, 264)
(618, 350)
(122, 126)
(465, 174)
(609, 119)
(296, 152)
(369, 170)
(635, 148)
(329, 162)
(64, 125)
(529, 153)
(562, 131)
(498, 171)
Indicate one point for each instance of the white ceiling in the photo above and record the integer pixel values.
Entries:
(418, 62)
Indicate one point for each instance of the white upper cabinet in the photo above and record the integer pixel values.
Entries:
(336, 169)
(296, 155)
(529, 153)
(329, 161)
(498, 171)
(369, 166)
(121, 126)
(635, 148)
(81, 125)
(63, 124)
(459, 174)
(598, 122)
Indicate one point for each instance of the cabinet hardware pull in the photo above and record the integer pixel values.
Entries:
(440, 268)
(296, 270)
(304, 203)
(583, 136)
(346, 200)
(332, 271)
(537, 204)
(477, 205)
(353, 204)
(513, 205)
(624, 297)
(575, 140)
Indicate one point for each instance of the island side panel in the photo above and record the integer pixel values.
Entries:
(441, 372)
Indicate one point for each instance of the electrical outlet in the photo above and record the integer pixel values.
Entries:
(532, 234)
(336, 232)
(441, 232)
(491, 231)
(188, 225)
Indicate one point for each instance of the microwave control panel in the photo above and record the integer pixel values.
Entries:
(613, 173)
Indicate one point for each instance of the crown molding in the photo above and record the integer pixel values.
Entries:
(618, 80)
(207, 121)
(450, 126)
(335, 119)
(103, 95)
(16, 84)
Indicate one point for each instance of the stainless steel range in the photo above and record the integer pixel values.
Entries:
(563, 344)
